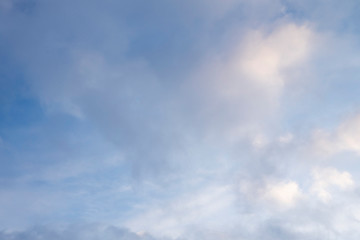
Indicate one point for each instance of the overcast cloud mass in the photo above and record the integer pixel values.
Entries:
(179, 120)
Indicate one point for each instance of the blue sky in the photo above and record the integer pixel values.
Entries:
(179, 120)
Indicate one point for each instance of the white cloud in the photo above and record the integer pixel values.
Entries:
(286, 138)
(345, 138)
(259, 141)
(238, 90)
(210, 207)
(282, 194)
(266, 56)
(260, 61)
(324, 179)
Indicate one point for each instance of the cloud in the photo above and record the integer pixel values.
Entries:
(75, 232)
(327, 178)
(236, 89)
(97, 78)
(344, 138)
(85, 72)
(209, 207)
(266, 57)
(175, 118)
(283, 193)
(6, 5)
(280, 194)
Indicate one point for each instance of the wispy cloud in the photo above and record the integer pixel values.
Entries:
(179, 120)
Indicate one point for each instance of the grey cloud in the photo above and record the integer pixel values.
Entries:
(119, 67)
(75, 232)
(77, 58)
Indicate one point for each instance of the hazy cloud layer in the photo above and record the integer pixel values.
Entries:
(179, 120)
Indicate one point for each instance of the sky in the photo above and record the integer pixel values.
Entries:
(179, 120)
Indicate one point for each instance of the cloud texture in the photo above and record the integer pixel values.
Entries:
(179, 119)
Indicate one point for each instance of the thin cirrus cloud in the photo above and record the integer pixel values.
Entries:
(178, 120)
